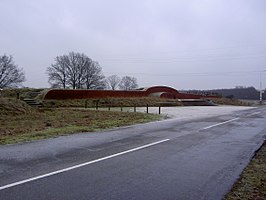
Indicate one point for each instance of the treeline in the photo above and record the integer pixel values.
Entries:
(239, 93)
(73, 70)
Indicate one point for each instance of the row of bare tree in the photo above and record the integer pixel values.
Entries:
(126, 83)
(73, 70)
(78, 71)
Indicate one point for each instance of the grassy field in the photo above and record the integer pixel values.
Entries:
(252, 182)
(20, 123)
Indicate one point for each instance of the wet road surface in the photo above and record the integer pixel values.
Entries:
(172, 159)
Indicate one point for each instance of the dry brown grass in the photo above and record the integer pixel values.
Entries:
(113, 102)
(226, 101)
(19, 122)
(11, 106)
(23, 92)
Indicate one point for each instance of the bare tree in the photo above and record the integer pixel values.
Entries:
(58, 73)
(76, 65)
(93, 77)
(10, 74)
(128, 83)
(113, 81)
(76, 71)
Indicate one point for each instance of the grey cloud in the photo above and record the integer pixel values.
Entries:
(159, 41)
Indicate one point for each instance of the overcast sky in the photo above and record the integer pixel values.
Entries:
(186, 44)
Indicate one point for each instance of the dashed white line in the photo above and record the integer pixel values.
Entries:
(80, 165)
(255, 113)
(208, 127)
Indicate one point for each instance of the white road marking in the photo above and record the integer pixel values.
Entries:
(255, 113)
(80, 165)
(208, 127)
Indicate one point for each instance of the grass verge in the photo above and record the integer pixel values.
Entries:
(252, 182)
(46, 123)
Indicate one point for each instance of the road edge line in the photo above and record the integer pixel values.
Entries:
(208, 127)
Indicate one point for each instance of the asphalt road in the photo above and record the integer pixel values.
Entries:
(172, 159)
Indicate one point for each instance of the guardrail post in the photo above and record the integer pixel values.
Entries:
(147, 108)
(159, 110)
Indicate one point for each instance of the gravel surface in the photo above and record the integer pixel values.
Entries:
(194, 112)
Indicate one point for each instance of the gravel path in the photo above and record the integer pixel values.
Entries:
(194, 112)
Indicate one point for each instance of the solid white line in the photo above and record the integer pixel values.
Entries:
(208, 127)
(79, 165)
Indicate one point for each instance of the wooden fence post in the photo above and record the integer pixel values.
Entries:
(97, 104)
(86, 104)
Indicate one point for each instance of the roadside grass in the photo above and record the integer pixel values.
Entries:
(20, 123)
(252, 182)
(226, 101)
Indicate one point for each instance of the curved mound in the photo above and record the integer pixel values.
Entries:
(13, 106)
(164, 89)
(159, 91)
